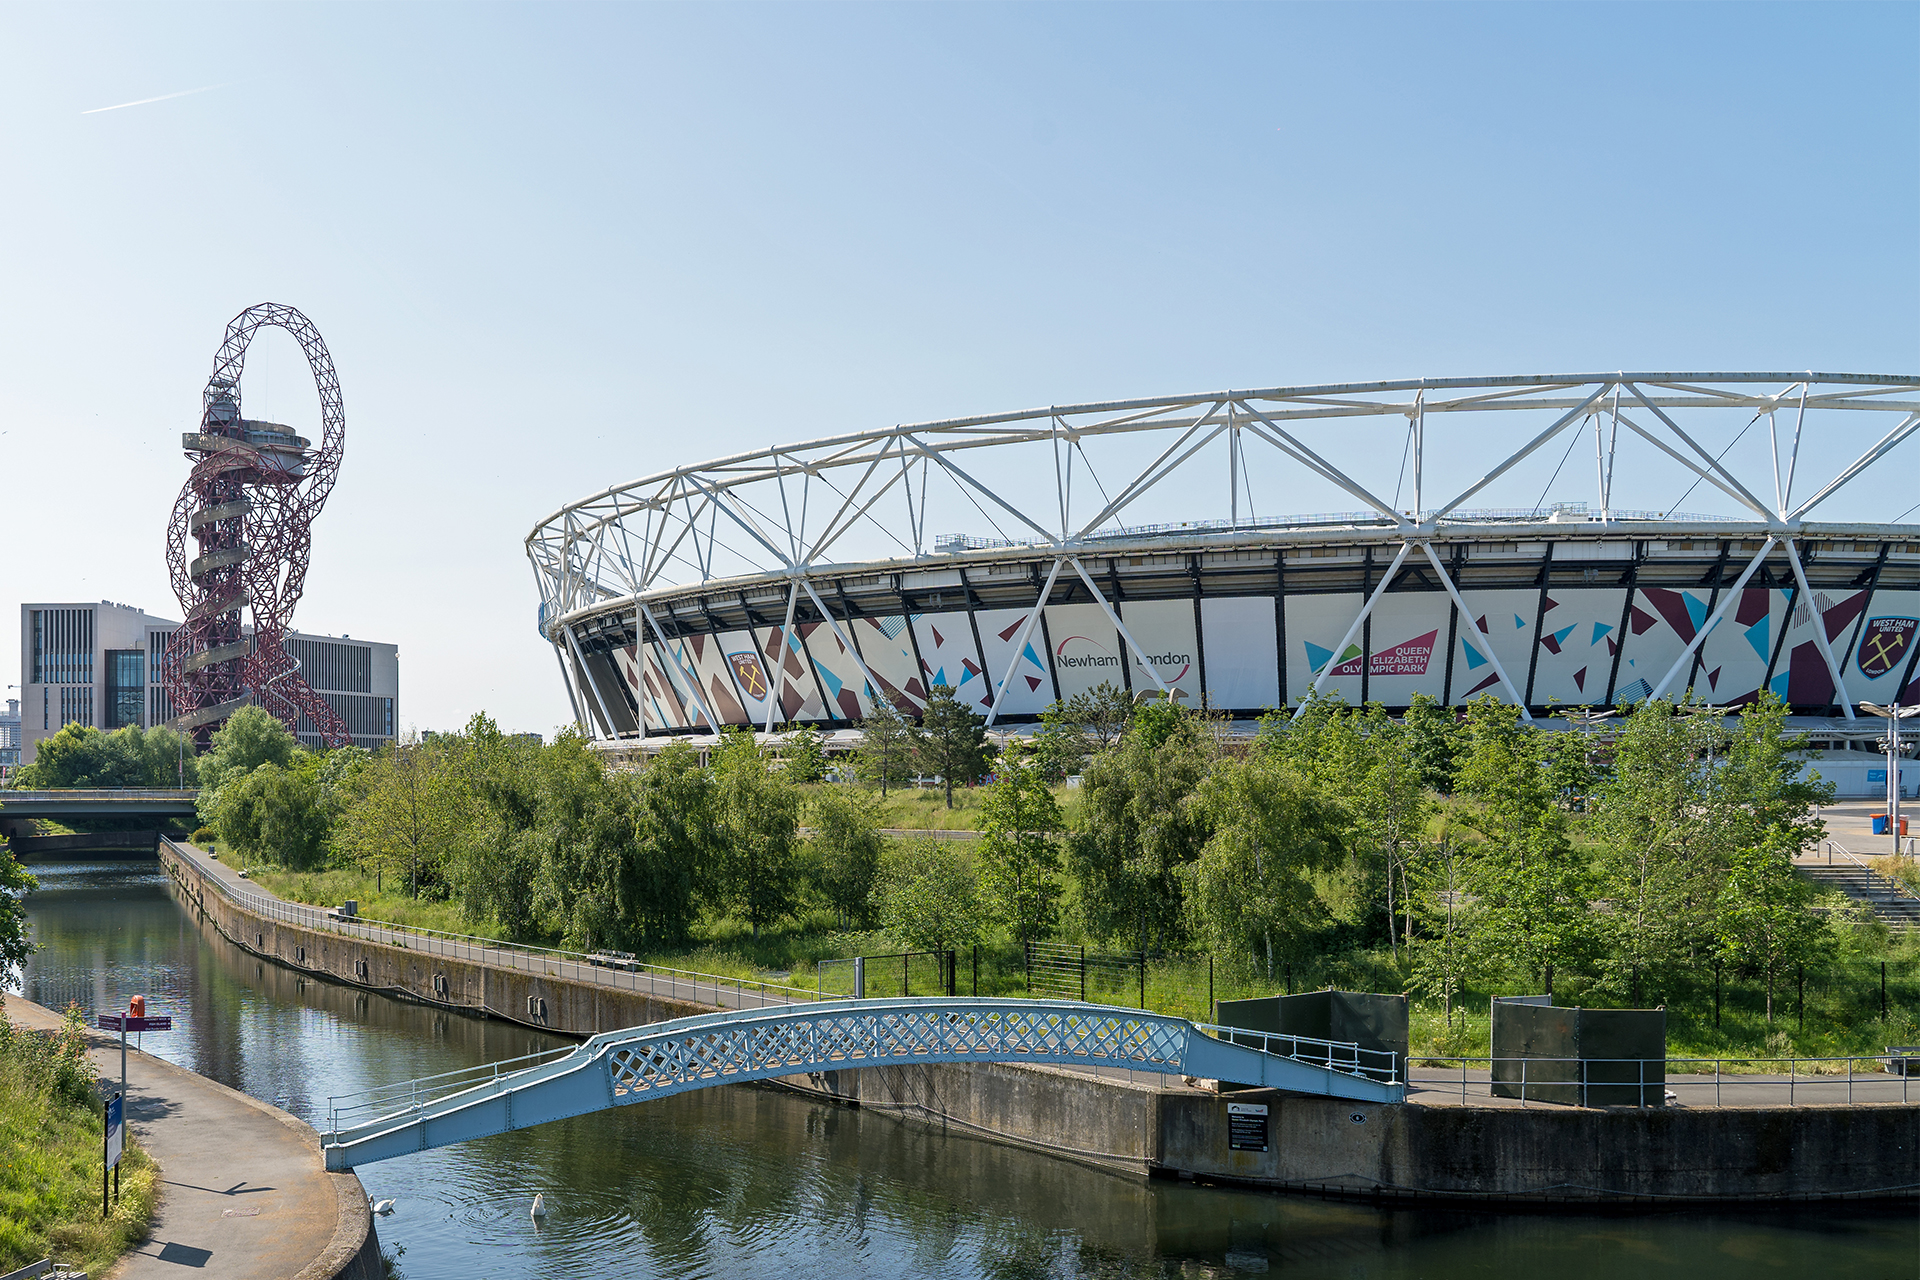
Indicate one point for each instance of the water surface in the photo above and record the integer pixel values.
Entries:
(754, 1182)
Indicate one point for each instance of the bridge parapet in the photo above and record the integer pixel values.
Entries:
(618, 1068)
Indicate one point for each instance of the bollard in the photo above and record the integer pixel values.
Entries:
(859, 977)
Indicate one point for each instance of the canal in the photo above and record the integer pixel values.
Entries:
(754, 1182)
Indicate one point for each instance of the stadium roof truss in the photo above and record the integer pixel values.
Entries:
(784, 516)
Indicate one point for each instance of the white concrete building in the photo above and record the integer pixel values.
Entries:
(100, 664)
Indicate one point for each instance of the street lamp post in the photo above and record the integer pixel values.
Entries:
(1893, 714)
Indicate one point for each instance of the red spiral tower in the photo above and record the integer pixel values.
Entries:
(240, 539)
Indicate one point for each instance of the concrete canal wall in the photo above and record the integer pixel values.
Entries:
(1401, 1152)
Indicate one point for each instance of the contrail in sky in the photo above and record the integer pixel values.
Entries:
(162, 98)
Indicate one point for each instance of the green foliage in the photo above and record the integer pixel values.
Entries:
(1059, 749)
(889, 742)
(250, 738)
(82, 756)
(411, 808)
(1530, 889)
(929, 897)
(1251, 893)
(844, 851)
(1138, 827)
(1433, 740)
(756, 830)
(1102, 713)
(953, 740)
(274, 814)
(805, 755)
(50, 1149)
(1764, 923)
(1019, 851)
(15, 943)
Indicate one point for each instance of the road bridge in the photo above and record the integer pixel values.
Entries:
(106, 802)
(619, 1068)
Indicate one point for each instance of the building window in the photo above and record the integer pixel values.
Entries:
(126, 686)
(62, 646)
(76, 704)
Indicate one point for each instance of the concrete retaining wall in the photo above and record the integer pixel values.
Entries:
(1399, 1152)
(530, 999)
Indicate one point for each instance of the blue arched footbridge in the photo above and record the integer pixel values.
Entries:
(617, 1068)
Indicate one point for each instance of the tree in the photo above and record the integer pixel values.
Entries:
(82, 756)
(1102, 712)
(1019, 856)
(887, 744)
(845, 849)
(1251, 892)
(1139, 825)
(953, 739)
(413, 810)
(1530, 891)
(1764, 921)
(756, 830)
(275, 815)
(15, 943)
(929, 897)
(1060, 747)
(1433, 739)
(250, 738)
(1441, 955)
(806, 755)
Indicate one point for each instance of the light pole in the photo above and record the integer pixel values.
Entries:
(1893, 714)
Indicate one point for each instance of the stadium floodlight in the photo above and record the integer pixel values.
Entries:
(1893, 715)
(1141, 543)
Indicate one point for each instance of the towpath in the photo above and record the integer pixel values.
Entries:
(243, 1191)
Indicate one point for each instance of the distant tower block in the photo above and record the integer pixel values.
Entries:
(240, 538)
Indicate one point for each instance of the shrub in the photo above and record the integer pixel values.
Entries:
(202, 837)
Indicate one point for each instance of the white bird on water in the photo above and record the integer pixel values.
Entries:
(539, 1209)
(382, 1207)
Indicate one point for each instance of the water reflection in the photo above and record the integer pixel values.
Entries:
(758, 1183)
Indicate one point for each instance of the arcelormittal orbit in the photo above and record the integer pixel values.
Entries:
(239, 540)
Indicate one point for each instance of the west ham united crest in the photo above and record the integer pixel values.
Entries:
(746, 666)
(1884, 644)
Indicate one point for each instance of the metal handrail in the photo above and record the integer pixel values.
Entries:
(470, 946)
(1339, 1055)
(1798, 1076)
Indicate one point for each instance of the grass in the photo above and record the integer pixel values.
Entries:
(50, 1158)
(378, 901)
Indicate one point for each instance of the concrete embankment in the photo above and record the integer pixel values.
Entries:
(244, 1194)
(1411, 1151)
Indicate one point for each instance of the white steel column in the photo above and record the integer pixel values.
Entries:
(1700, 636)
(844, 639)
(581, 661)
(567, 682)
(786, 639)
(1113, 616)
(1026, 632)
(1519, 699)
(1820, 631)
(1366, 610)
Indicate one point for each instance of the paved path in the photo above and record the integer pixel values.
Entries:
(243, 1193)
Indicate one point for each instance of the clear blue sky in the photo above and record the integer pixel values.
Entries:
(553, 247)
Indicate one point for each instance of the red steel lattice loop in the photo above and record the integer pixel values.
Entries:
(240, 538)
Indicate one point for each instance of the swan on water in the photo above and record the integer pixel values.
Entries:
(539, 1209)
(382, 1207)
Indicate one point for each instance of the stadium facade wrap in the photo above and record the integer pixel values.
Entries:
(1138, 543)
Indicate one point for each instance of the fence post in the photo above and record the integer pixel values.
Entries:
(1716, 1002)
(1083, 976)
(1143, 980)
(906, 958)
(1801, 999)
(859, 977)
(1883, 991)
(953, 978)
(976, 969)
(1027, 948)
(1210, 1014)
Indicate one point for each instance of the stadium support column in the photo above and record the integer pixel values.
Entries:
(580, 659)
(1820, 631)
(1700, 636)
(776, 677)
(844, 639)
(1366, 611)
(691, 677)
(1453, 593)
(1019, 646)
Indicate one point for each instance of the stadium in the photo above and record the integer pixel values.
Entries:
(1555, 541)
